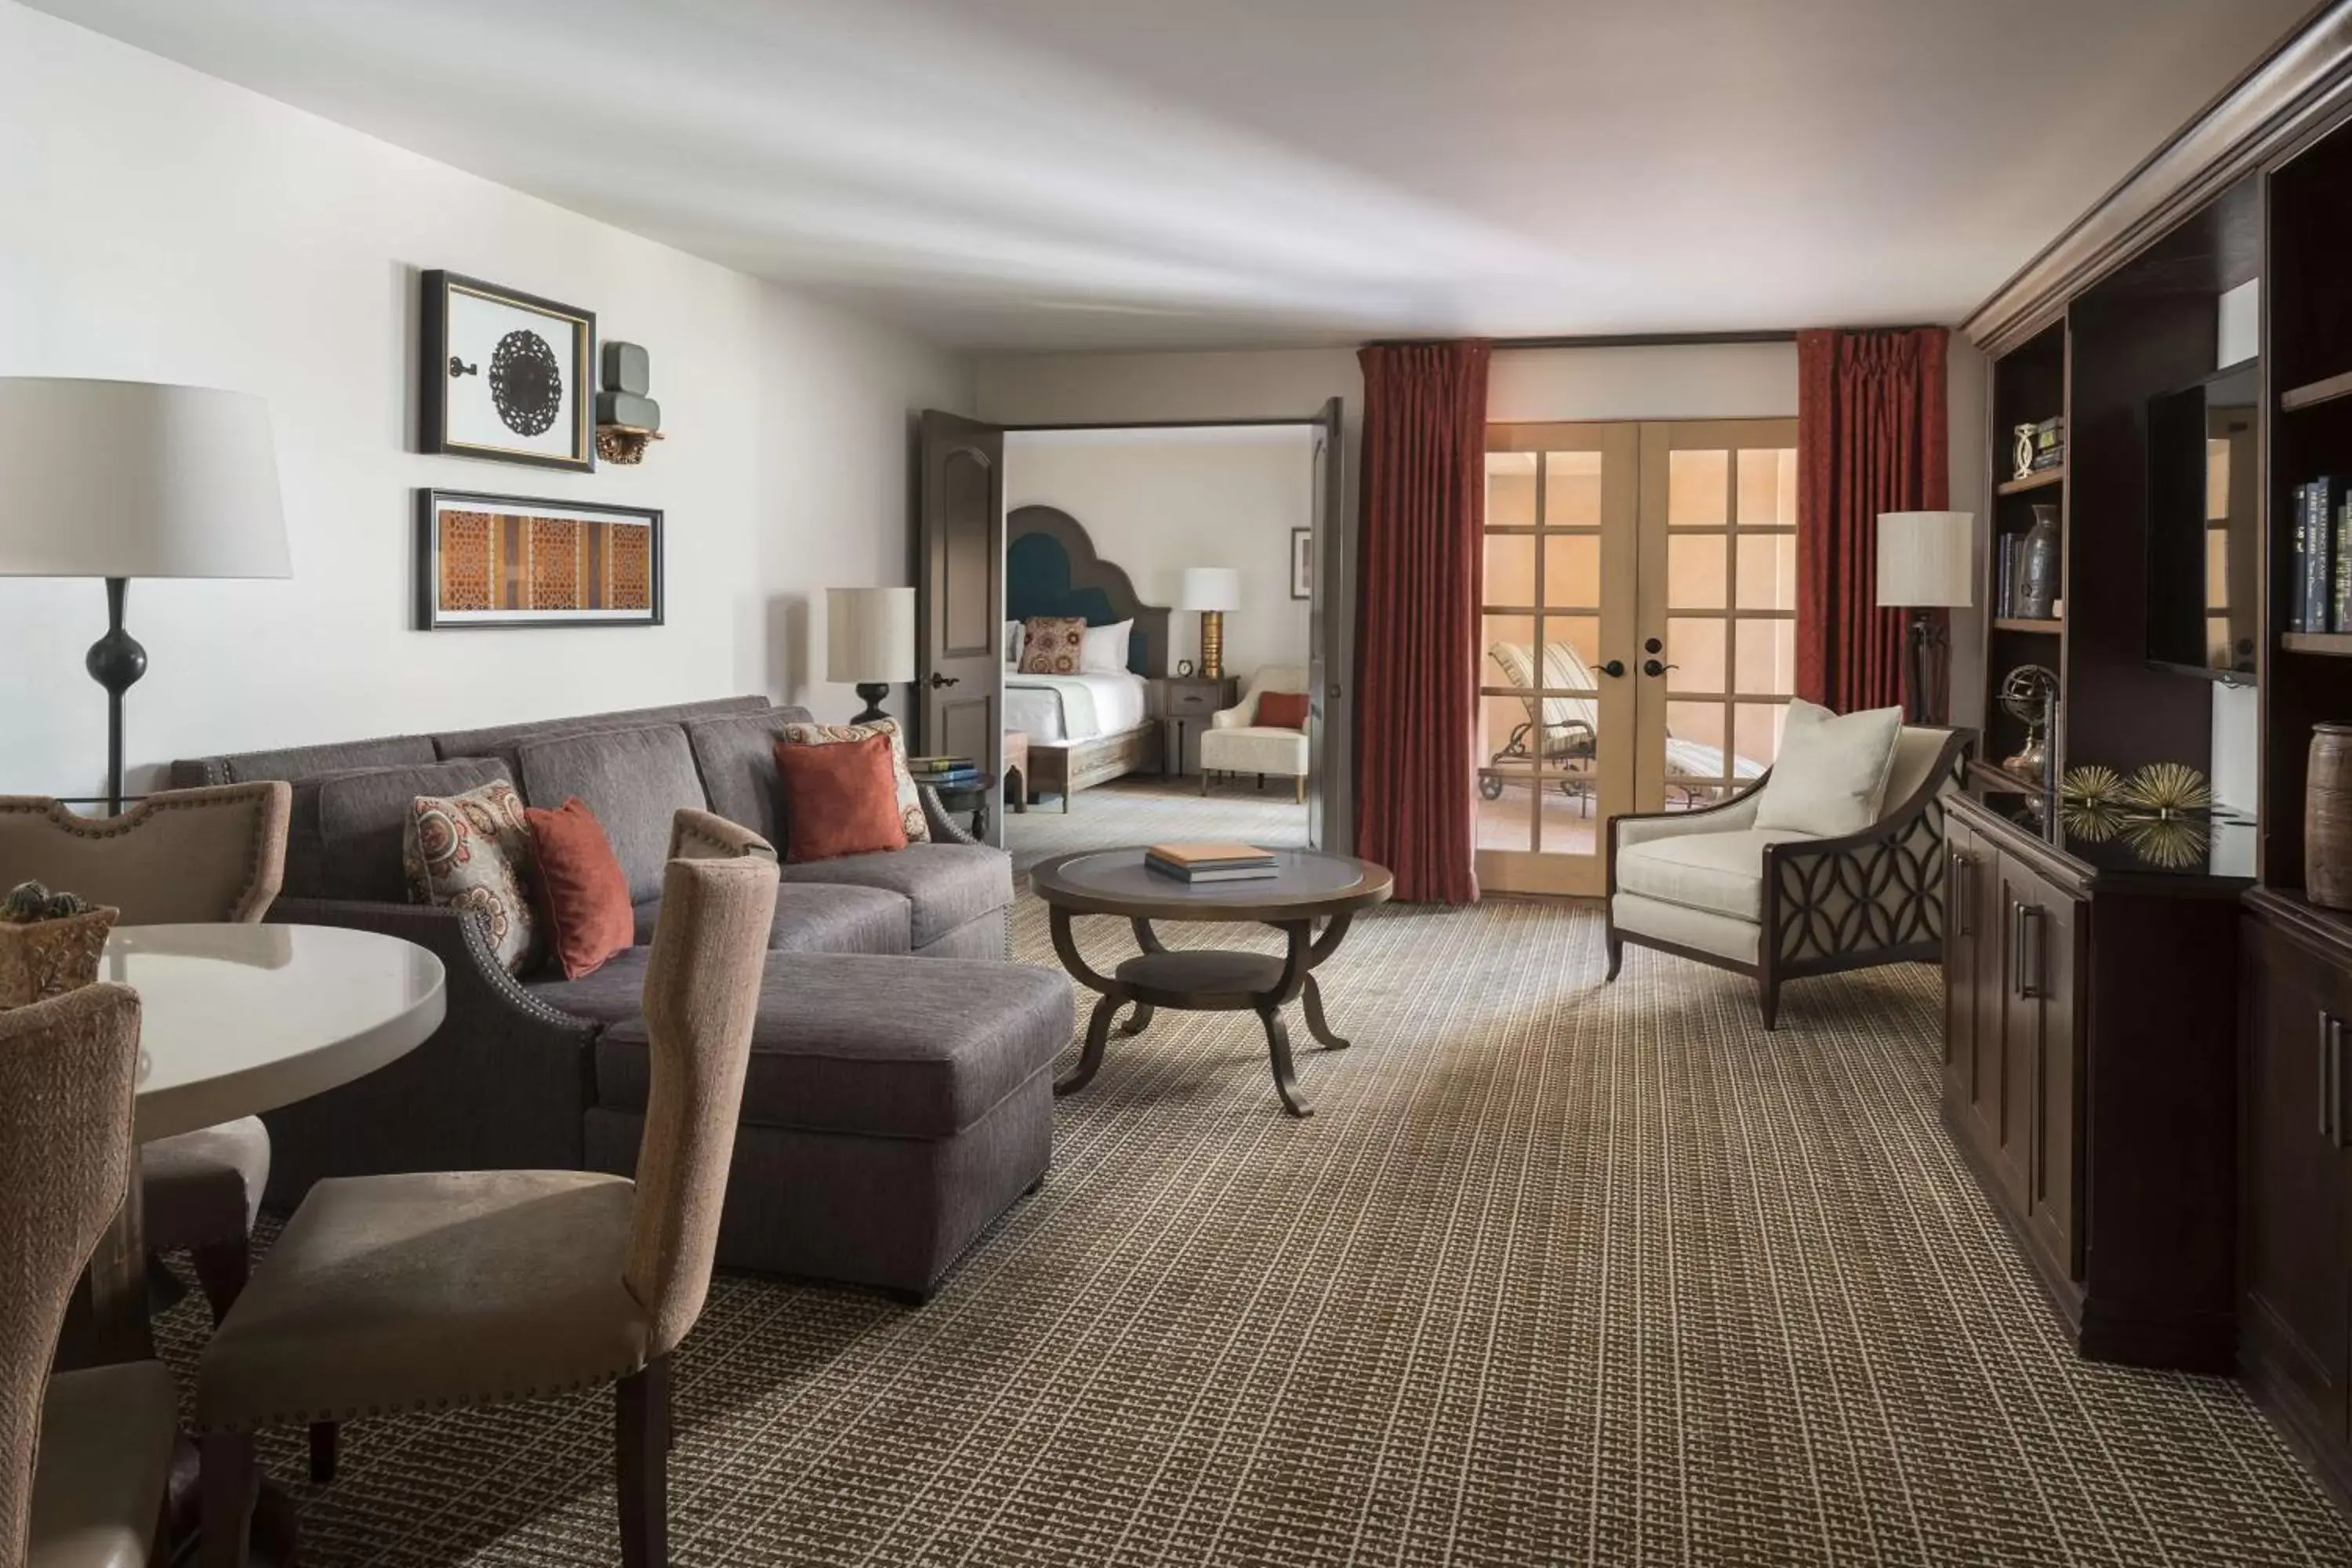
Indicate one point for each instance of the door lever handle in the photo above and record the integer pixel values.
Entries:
(1652, 666)
(1614, 668)
(939, 680)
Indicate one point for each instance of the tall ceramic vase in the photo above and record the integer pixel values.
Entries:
(2037, 576)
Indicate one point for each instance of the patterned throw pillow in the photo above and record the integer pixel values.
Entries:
(473, 851)
(911, 804)
(1053, 644)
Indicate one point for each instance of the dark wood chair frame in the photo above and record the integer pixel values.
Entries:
(1902, 851)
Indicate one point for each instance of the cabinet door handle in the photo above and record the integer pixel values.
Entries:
(2331, 1109)
(1961, 907)
(2026, 950)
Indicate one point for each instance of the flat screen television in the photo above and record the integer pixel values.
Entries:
(2204, 525)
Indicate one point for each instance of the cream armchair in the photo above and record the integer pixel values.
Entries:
(1235, 742)
(1710, 885)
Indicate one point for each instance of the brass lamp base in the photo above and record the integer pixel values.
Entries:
(1212, 644)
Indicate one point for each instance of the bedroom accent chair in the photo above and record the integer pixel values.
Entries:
(213, 855)
(1235, 742)
(419, 1292)
(88, 1455)
(1779, 904)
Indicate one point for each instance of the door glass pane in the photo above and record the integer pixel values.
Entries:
(1698, 488)
(1505, 774)
(1768, 571)
(1510, 569)
(1695, 647)
(1696, 737)
(1516, 635)
(1767, 487)
(1568, 814)
(1756, 735)
(1768, 657)
(1578, 635)
(1571, 489)
(1695, 572)
(1571, 571)
(1510, 489)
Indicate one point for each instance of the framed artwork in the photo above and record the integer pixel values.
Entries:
(1302, 562)
(506, 375)
(510, 561)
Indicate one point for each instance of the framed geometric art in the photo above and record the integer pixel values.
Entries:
(505, 376)
(509, 561)
(1302, 562)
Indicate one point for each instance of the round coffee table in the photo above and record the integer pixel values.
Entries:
(1307, 885)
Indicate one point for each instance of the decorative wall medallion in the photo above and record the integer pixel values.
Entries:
(507, 561)
(506, 374)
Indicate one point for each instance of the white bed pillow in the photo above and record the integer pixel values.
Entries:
(1012, 635)
(1831, 776)
(1104, 649)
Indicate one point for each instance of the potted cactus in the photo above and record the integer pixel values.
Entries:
(49, 943)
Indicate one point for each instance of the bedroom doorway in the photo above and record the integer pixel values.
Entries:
(1654, 566)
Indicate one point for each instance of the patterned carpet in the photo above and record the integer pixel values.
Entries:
(1559, 1273)
(1141, 810)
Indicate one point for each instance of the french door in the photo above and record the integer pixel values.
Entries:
(1639, 631)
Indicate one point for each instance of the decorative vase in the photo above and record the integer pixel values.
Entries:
(41, 959)
(2327, 818)
(2037, 573)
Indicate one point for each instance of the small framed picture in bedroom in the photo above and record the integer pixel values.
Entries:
(507, 561)
(505, 376)
(1302, 562)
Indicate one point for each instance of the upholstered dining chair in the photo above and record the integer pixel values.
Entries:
(187, 856)
(1235, 742)
(415, 1292)
(87, 1453)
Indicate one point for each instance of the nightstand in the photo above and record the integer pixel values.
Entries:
(1184, 703)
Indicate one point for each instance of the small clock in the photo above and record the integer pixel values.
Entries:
(1184, 668)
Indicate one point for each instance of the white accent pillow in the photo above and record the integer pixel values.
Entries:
(1104, 649)
(1831, 776)
(1012, 635)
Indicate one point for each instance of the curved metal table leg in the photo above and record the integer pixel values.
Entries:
(1317, 1024)
(1097, 1033)
(1277, 1050)
(1137, 1021)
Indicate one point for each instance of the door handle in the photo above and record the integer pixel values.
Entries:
(939, 680)
(1614, 668)
(1652, 666)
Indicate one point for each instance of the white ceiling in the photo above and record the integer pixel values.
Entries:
(1101, 174)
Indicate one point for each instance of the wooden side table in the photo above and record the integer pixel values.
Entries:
(1184, 704)
(1015, 768)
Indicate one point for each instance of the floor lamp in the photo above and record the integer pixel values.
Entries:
(119, 479)
(1925, 561)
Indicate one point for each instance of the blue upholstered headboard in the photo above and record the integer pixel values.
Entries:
(1051, 569)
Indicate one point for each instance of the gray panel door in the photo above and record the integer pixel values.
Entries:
(959, 593)
(1330, 638)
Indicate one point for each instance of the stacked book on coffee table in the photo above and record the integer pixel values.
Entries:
(1211, 862)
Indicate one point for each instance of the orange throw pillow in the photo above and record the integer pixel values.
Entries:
(582, 888)
(839, 799)
(1282, 710)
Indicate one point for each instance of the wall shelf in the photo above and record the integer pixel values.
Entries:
(2317, 392)
(2018, 623)
(2337, 642)
(2042, 480)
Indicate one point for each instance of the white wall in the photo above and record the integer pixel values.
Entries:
(1155, 501)
(157, 224)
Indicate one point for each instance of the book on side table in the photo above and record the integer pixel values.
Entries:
(1211, 862)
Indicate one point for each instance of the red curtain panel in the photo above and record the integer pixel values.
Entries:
(1424, 467)
(1872, 437)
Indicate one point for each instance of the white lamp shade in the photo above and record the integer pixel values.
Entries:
(1925, 558)
(1209, 588)
(131, 479)
(869, 635)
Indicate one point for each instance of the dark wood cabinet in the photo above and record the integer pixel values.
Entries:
(2295, 1175)
(2088, 1078)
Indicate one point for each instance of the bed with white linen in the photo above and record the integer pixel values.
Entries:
(1053, 709)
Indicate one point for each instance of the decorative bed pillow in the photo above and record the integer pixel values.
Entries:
(1282, 710)
(1051, 645)
(1831, 776)
(473, 851)
(839, 799)
(582, 891)
(1104, 649)
(911, 820)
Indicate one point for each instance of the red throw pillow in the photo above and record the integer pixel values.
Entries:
(1282, 710)
(582, 888)
(839, 799)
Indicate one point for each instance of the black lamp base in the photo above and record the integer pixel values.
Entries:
(115, 661)
(1925, 635)
(873, 692)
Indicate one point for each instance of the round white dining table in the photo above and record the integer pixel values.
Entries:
(239, 1019)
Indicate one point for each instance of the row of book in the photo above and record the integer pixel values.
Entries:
(1211, 862)
(2319, 593)
(944, 772)
(2012, 567)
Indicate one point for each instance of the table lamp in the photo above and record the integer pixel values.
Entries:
(869, 642)
(129, 478)
(1212, 590)
(1924, 565)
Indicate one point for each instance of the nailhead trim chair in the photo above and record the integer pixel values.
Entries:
(188, 856)
(422, 1292)
(87, 1455)
(1709, 884)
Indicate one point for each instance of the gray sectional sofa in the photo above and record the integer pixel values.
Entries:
(900, 1095)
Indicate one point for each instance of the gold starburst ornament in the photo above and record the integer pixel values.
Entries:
(2167, 789)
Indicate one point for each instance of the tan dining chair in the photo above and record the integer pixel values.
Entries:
(417, 1293)
(88, 1454)
(187, 855)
